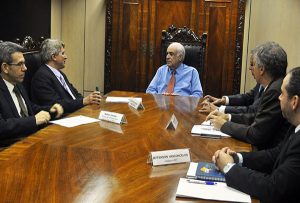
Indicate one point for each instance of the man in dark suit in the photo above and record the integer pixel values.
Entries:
(275, 173)
(50, 85)
(266, 127)
(18, 116)
(238, 103)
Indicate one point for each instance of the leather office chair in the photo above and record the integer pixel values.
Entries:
(32, 59)
(194, 46)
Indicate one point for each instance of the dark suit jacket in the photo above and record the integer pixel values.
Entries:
(265, 128)
(275, 174)
(47, 90)
(244, 103)
(11, 125)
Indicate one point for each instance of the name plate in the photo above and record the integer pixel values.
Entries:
(169, 157)
(173, 123)
(112, 117)
(136, 103)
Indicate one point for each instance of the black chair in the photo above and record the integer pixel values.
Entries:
(32, 59)
(194, 46)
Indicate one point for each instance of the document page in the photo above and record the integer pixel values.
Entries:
(121, 99)
(74, 121)
(206, 129)
(220, 191)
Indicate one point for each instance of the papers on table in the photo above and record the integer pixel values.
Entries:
(74, 121)
(219, 191)
(207, 130)
(121, 99)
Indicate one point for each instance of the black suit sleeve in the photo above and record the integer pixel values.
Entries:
(46, 90)
(244, 99)
(257, 129)
(17, 127)
(279, 185)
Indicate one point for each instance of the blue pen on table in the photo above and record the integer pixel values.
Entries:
(201, 182)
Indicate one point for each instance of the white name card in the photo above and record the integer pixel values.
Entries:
(112, 117)
(172, 124)
(169, 157)
(136, 103)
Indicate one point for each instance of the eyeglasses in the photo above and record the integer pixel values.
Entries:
(20, 64)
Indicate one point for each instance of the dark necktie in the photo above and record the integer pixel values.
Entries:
(261, 90)
(171, 84)
(24, 112)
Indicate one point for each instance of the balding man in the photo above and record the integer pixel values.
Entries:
(176, 78)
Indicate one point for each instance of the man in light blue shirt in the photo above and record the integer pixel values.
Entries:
(187, 82)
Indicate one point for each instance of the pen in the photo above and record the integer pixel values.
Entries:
(97, 88)
(202, 182)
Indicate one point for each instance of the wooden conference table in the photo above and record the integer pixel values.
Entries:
(106, 162)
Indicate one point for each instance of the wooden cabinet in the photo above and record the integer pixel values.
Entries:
(133, 36)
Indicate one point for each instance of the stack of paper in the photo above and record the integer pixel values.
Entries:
(219, 191)
(207, 130)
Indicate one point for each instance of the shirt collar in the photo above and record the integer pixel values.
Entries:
(297, 128)
(178, 69)
(55, 71)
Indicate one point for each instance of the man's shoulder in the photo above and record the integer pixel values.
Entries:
(276, 84)
(189, 68)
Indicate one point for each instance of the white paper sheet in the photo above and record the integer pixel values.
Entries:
(220, 192)
(121, 99)
(74, 121)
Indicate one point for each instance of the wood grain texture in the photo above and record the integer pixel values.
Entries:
(96, 163)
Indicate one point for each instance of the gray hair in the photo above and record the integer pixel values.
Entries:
(50, 47)
(272, 57)
(180, 49)
(7, 49)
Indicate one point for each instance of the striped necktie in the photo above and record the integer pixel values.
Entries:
(24, 112)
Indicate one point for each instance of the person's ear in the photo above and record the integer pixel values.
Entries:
(295, 102)
(4, 67)
(53, 57)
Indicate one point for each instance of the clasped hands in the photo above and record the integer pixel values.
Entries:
(222, 157)
(43, 117)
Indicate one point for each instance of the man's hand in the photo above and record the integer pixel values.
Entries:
(58, 109)
(207, 107)
(217, 119)
(215, 101)
(222, 157)
(42, 117)
(93, 98)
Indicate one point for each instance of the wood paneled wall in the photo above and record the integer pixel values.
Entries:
(133, 36)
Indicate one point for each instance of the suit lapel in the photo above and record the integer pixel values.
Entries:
(8, 98)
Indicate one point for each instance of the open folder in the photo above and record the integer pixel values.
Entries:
(218, 191)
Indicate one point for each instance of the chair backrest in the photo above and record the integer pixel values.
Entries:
(195, 46)
(32, 59)
(33, 63)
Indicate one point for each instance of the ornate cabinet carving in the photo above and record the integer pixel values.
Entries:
(133, 36)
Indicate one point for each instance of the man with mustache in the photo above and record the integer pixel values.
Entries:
(18, 116)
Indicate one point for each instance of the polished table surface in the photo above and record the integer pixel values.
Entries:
(106, 162)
